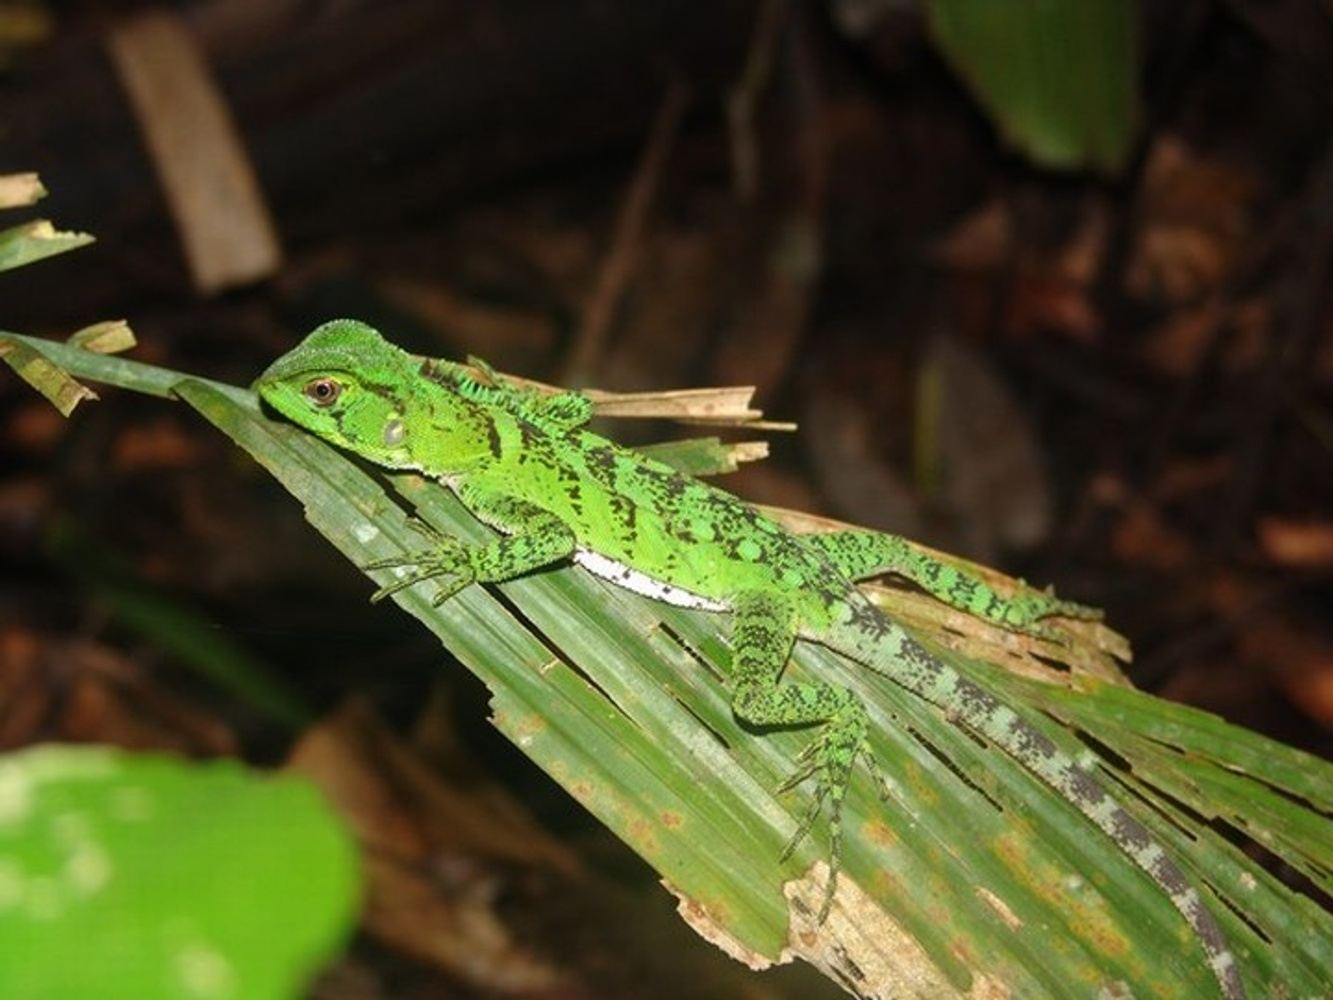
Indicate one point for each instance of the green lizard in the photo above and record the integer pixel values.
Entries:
(523, 463)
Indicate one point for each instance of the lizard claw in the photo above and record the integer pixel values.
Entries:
(448, 557)
(461, 580)
(807, 821)
(423, 527)
(831, 756)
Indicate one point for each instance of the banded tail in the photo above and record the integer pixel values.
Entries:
(883, 647)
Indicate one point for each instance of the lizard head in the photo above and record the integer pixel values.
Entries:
(346, 384)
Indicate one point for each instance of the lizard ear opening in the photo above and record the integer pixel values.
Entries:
(323, 391)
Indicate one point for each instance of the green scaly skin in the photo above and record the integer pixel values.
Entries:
(524, 464)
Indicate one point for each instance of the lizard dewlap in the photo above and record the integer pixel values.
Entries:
(524, 464)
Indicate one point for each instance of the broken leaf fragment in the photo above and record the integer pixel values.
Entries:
(33, 241)
(111, 336)
(52, 381)
(17, 190)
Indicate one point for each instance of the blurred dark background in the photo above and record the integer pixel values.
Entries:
(1112, 373)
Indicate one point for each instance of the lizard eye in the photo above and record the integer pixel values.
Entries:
(323, 391)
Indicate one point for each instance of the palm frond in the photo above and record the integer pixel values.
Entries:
(972, 875)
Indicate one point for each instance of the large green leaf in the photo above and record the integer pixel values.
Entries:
(131, 875)
(973, 877)
(1058, 77)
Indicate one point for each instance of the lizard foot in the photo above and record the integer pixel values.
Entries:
(446, 558)
(1024, 613)
(830, 758)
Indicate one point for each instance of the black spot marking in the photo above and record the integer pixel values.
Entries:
(870, 621)
(530, 434)
(1086, 791)
(1169, 876)
(1032, 741)
(976, 703)
(1130, 833)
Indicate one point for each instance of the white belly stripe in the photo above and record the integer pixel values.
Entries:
(631, 579)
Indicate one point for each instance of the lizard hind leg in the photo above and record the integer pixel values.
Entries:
(859, 555)
(763, 633)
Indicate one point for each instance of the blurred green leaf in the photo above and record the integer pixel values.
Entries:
(133, 875)
(1058, 77)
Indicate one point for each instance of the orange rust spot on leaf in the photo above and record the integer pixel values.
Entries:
(887, 885)
(644, 835)
(1086, 914)
(413, 483)
(923, 788)
(709, 917)
(959, 948)
(878, 832)
(1014, 852)
(527, 727)
(1095, 926)
(671, 820)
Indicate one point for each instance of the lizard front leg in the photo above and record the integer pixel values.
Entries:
(533, 538)
(861, 554)
(763, 633)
